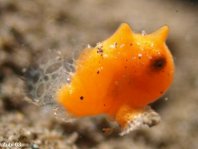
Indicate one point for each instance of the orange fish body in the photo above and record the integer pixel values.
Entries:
(120, 76)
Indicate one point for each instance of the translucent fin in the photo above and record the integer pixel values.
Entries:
(147, 118)
(45, 78)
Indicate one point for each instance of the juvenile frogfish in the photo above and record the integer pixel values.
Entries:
(120, 77)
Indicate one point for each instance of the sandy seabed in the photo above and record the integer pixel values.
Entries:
(29, 27)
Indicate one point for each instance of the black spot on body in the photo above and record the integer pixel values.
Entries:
(81, 97)
(98, 72)
(100, 50)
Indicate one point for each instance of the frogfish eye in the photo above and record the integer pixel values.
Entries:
(158, 63)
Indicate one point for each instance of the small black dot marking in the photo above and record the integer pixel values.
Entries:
(131, 44)
(100, 50)
(81, 97)
(98, 72)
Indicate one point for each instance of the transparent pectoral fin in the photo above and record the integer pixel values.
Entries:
(44, 79)
(131, 119)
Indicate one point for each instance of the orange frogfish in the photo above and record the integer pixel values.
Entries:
(119, 78)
